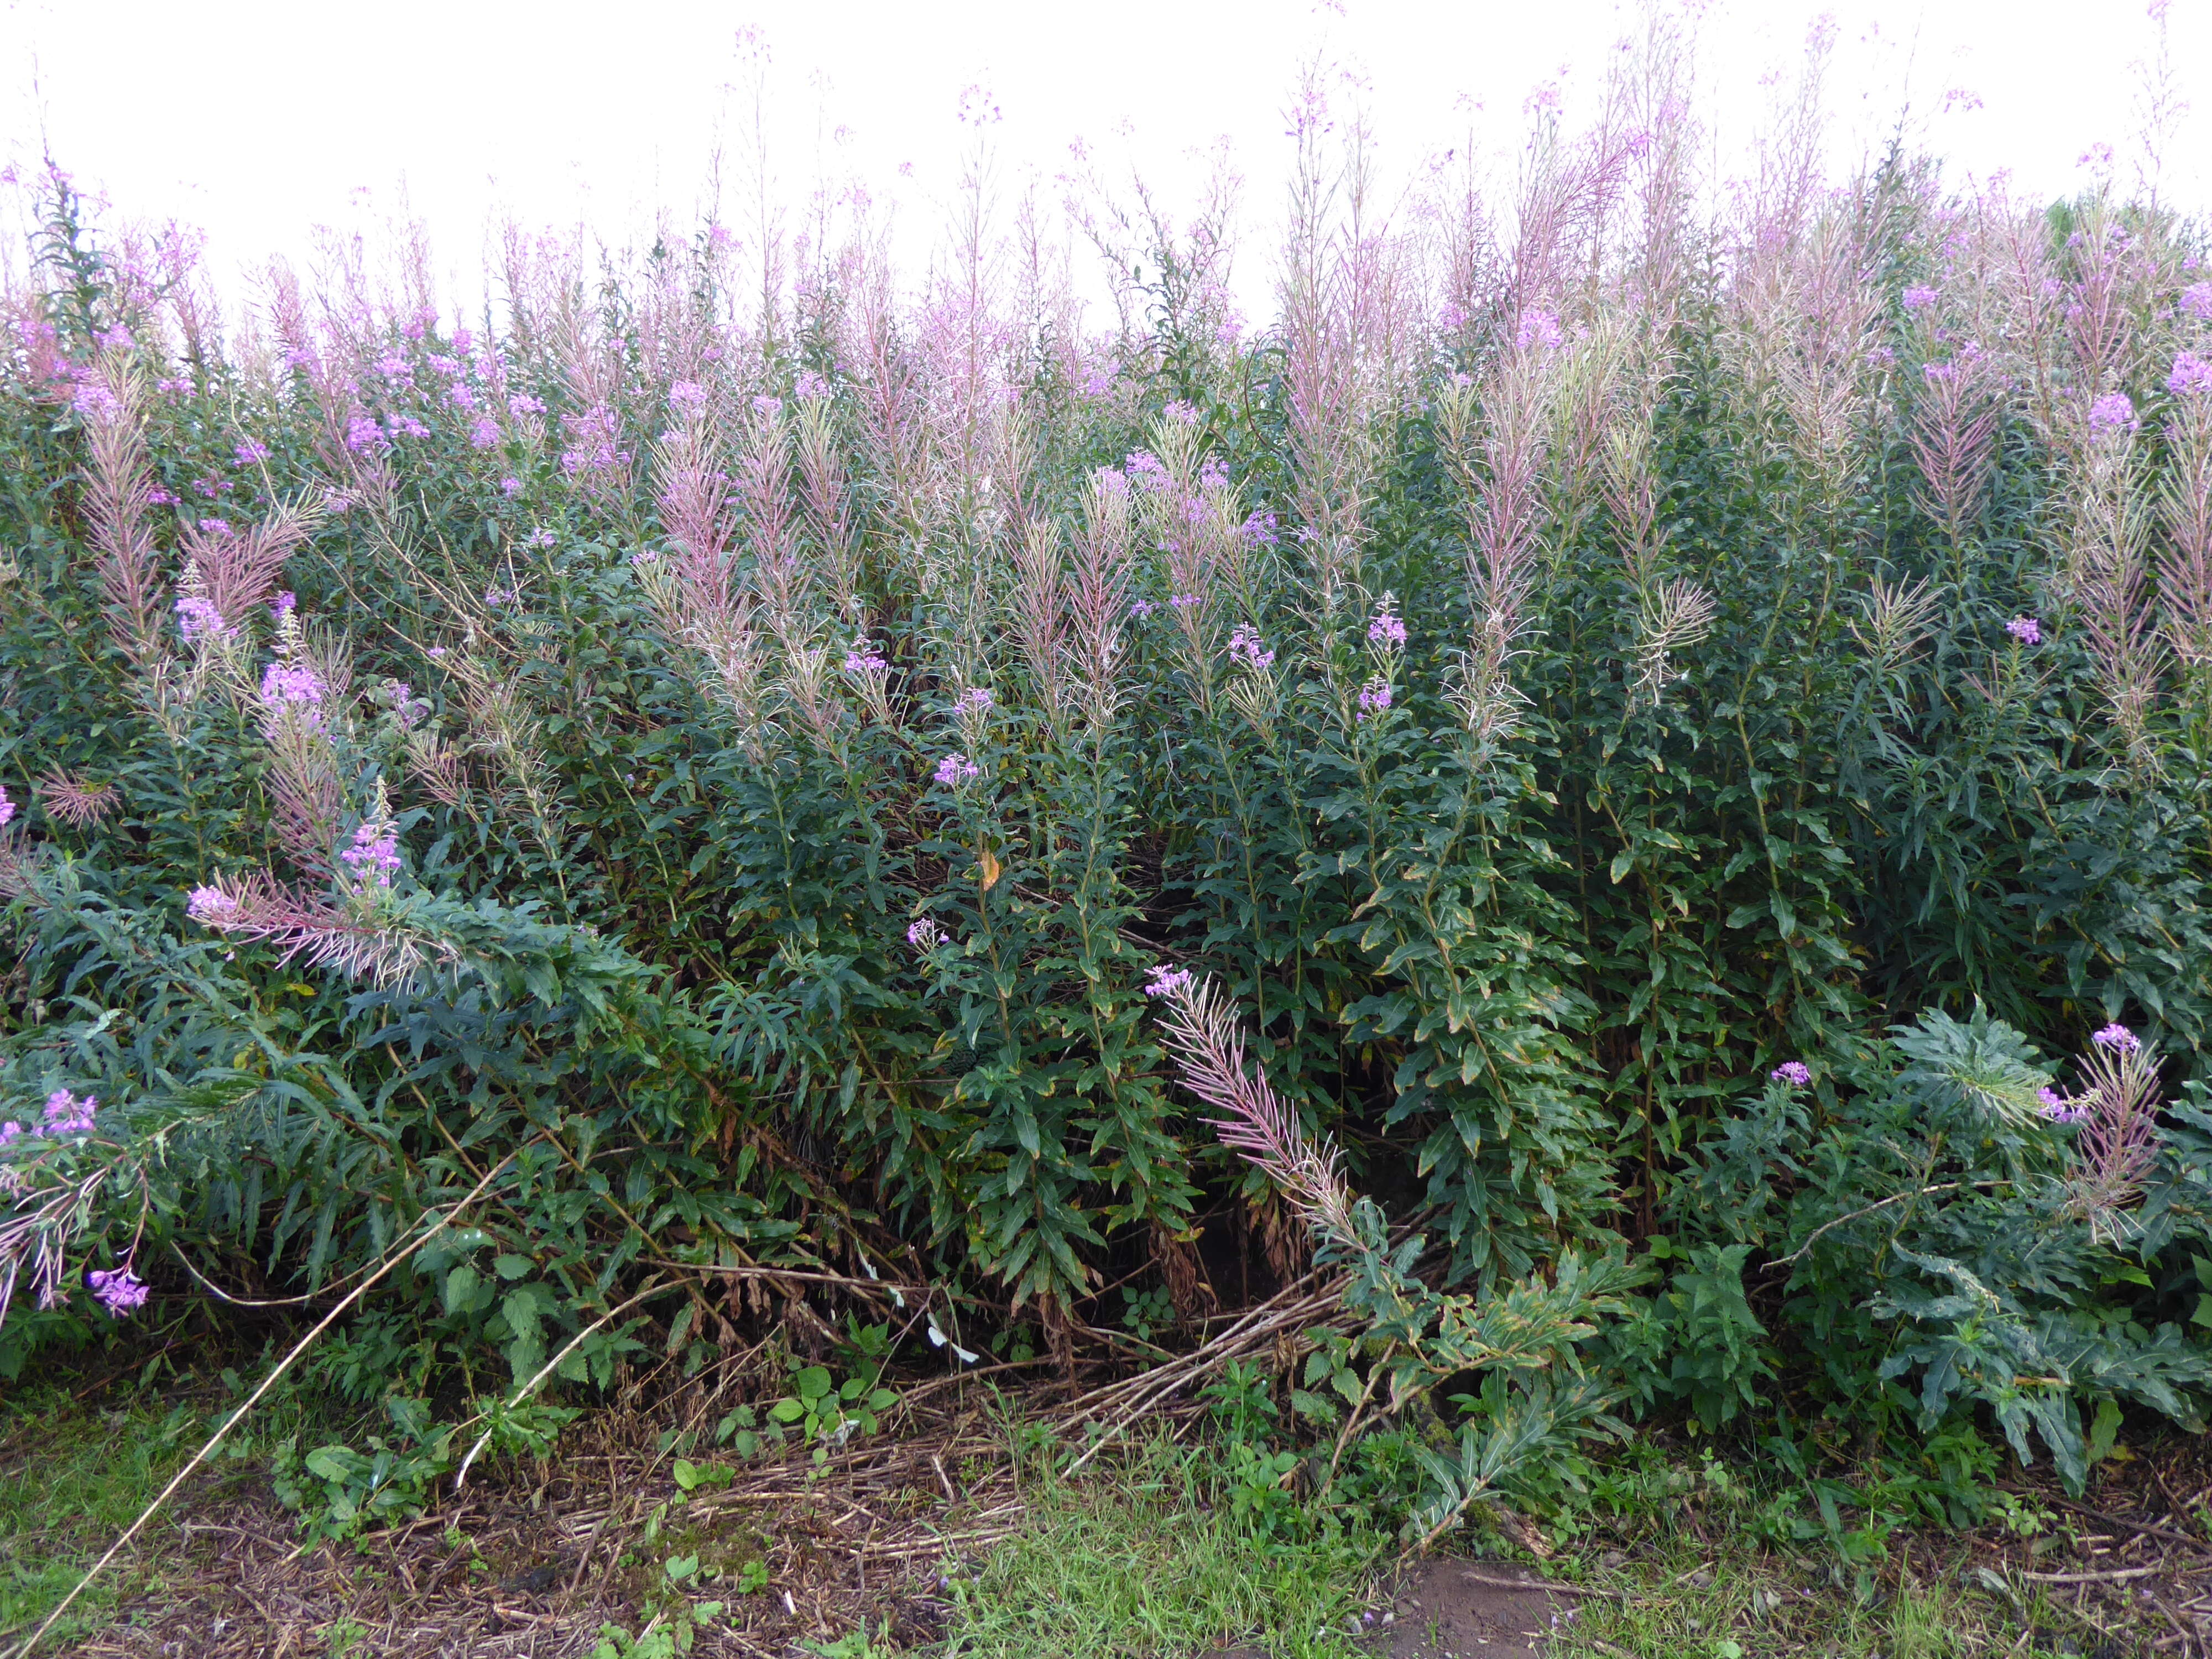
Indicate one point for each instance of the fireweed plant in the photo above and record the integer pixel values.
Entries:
(1667, 731)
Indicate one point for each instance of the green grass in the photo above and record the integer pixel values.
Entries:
(1146, 1560)
(72, 1477)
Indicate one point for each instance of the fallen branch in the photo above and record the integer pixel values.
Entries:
(2094, 1577)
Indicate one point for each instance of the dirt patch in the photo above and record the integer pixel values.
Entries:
(1460, 1609)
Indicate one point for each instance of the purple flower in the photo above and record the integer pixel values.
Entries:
(1387, 629)
(972, 702)
(1141, 609)
(687, 394)
(1374, 696)
(767, 405)
(373, 857)
(1183, 601)
(6, 808)
(523, 404)
(2026, 630)
(2057, 1108)
(1540, 329)
(2191, 374)
(409, 427)
(1164, 981)
(68, 1116)
(12, 1131)
(1181, 413)
(2113, 412)
(1144, 469)
(120, 1292)
(510, 488)
(94, 398)
(865, 659)
(251, 453)
(283, 606)
(286, 685)
(363, 436)
(2197, 300)
(925, 934)
(210, 906)
(1795, 1073)
(161, 498)
(215, 527)
(810, 387)
(484, 434)
(1920, 297)
(1244, 646)
(199, 619)
(1259, 528)
(956, 769)
(2118, 1039)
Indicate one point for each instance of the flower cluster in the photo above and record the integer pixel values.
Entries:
(6, 808)
(2191, 374)
(65, 1114)
(2026, 630)
(974, 701)
(925, 934)
(865, 659)
(372, 858)
(1540, 329)
(1388, 628)
(1794, 1073)
(2113, 412)
(1920, 297)
(1164, 981)
(2058, 1108)
(121, 1293)
(956, 769)
(1374, 698)
(292, 686)
(197, 619)
(2116, 1039)
(1245, 647)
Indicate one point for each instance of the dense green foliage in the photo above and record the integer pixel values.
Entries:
(732, 778)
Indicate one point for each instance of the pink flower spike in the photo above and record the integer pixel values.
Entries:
(2118, 1039)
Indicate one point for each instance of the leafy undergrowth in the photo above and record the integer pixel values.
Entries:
(984, 1544)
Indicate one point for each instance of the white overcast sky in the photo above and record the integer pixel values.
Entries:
(256, 119)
